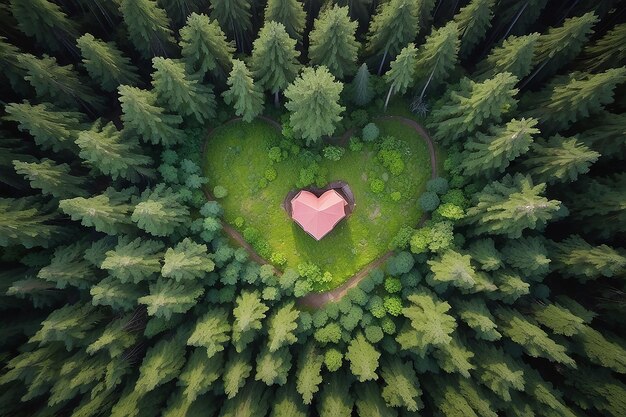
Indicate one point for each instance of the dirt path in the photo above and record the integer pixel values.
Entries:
(318, 300)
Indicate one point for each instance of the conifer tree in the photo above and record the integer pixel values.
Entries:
(204, 47)
(475, 313)
(473, 20)
(234, 17)
(484, 252)
(274, 58)
(181, 93)
(314, 92)
(509, 206)
(430, 323)
(561, 44)
(23, 222)
(574, 257)
(363, 358)
(281, 327)
(402, 388)
(141, 114)
(498, 371)
(236, 371)
(510, 286)
(212, 331)
(486, 153)
(569, 98)
(134, 260)
(369, 402)
(199, 374)
(44, 21)
(288, 12)
(273, 367)
(59, 84)
(10, 66)
(529, 255)
(452, 268)
(113, 152)
(437, 56)
(361, 87)
(148, 26)
(606, 51)
(473, 105)
(604, 134)
(287, 402)
(51, 178)
(167, 297)
(308, 374)
(111, 292)
(106, 64)
(335, 400)
(187, 261)
(394, 25)
(108, 212)
(51, 127)
(513, 56)
(159, 211)
(333, 42)
(558, 319)
(596, 388)
(402, 72)
(604, 350)
(68, 267)
(559, 159)
(601, 203)
(161, 364)
(535, 341)
(455, 357)
(244, 95)
(248, 313)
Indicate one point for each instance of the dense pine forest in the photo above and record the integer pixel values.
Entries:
(148, 265)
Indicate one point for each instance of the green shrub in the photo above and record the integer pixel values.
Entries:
(270, 174)
(392, 160)
(393, 285)
(429, 201)
(395, 196)
(455, 196)
(374, 334)
(333, 153)
(275, 154)
(239, 222)
(377, 185)
(355, 144)
(402, 238)
(333, 359)
(219, 191)
(278, 258)
(370, 132)
(251, 235)
(393, 305)
(450, 211)
(437, 185)
(388, 325)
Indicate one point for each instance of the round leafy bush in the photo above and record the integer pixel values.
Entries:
(355, 144)
(219, 191)
(370, 132)
(395, 196)
(333, 153)
(429, 201)
(393, 305)
(437, 185)
(270, 174)
(377, 185)
(333, 359)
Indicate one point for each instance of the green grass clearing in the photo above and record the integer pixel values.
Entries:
(237, 158)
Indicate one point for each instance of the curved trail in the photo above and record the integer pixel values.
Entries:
(318, 300)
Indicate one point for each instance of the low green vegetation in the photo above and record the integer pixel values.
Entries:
(239, 158)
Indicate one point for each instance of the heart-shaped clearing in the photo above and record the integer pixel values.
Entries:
(236, 157)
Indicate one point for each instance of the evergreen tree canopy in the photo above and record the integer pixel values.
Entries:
(288, 12)
(245, 96)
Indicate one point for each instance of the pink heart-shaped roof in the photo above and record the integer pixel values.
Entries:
(318, 215)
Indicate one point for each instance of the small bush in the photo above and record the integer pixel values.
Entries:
(270, 174)
(437, 185)
(333, 359)
(370, 132)
(393, 305)
(450, 211)
(455, 196)
(275, 154)
(374, 334)
(333, 153)
(211, 209)
(239, 222)
(395, 196)
(429, 201)
(278, 258)
(377, 186)
(355, 144)
(402, 238)
(219, 191)
(388, 326)
(393, 285)
(263, 183)
(251, 235)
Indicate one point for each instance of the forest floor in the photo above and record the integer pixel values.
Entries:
(349, 267)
